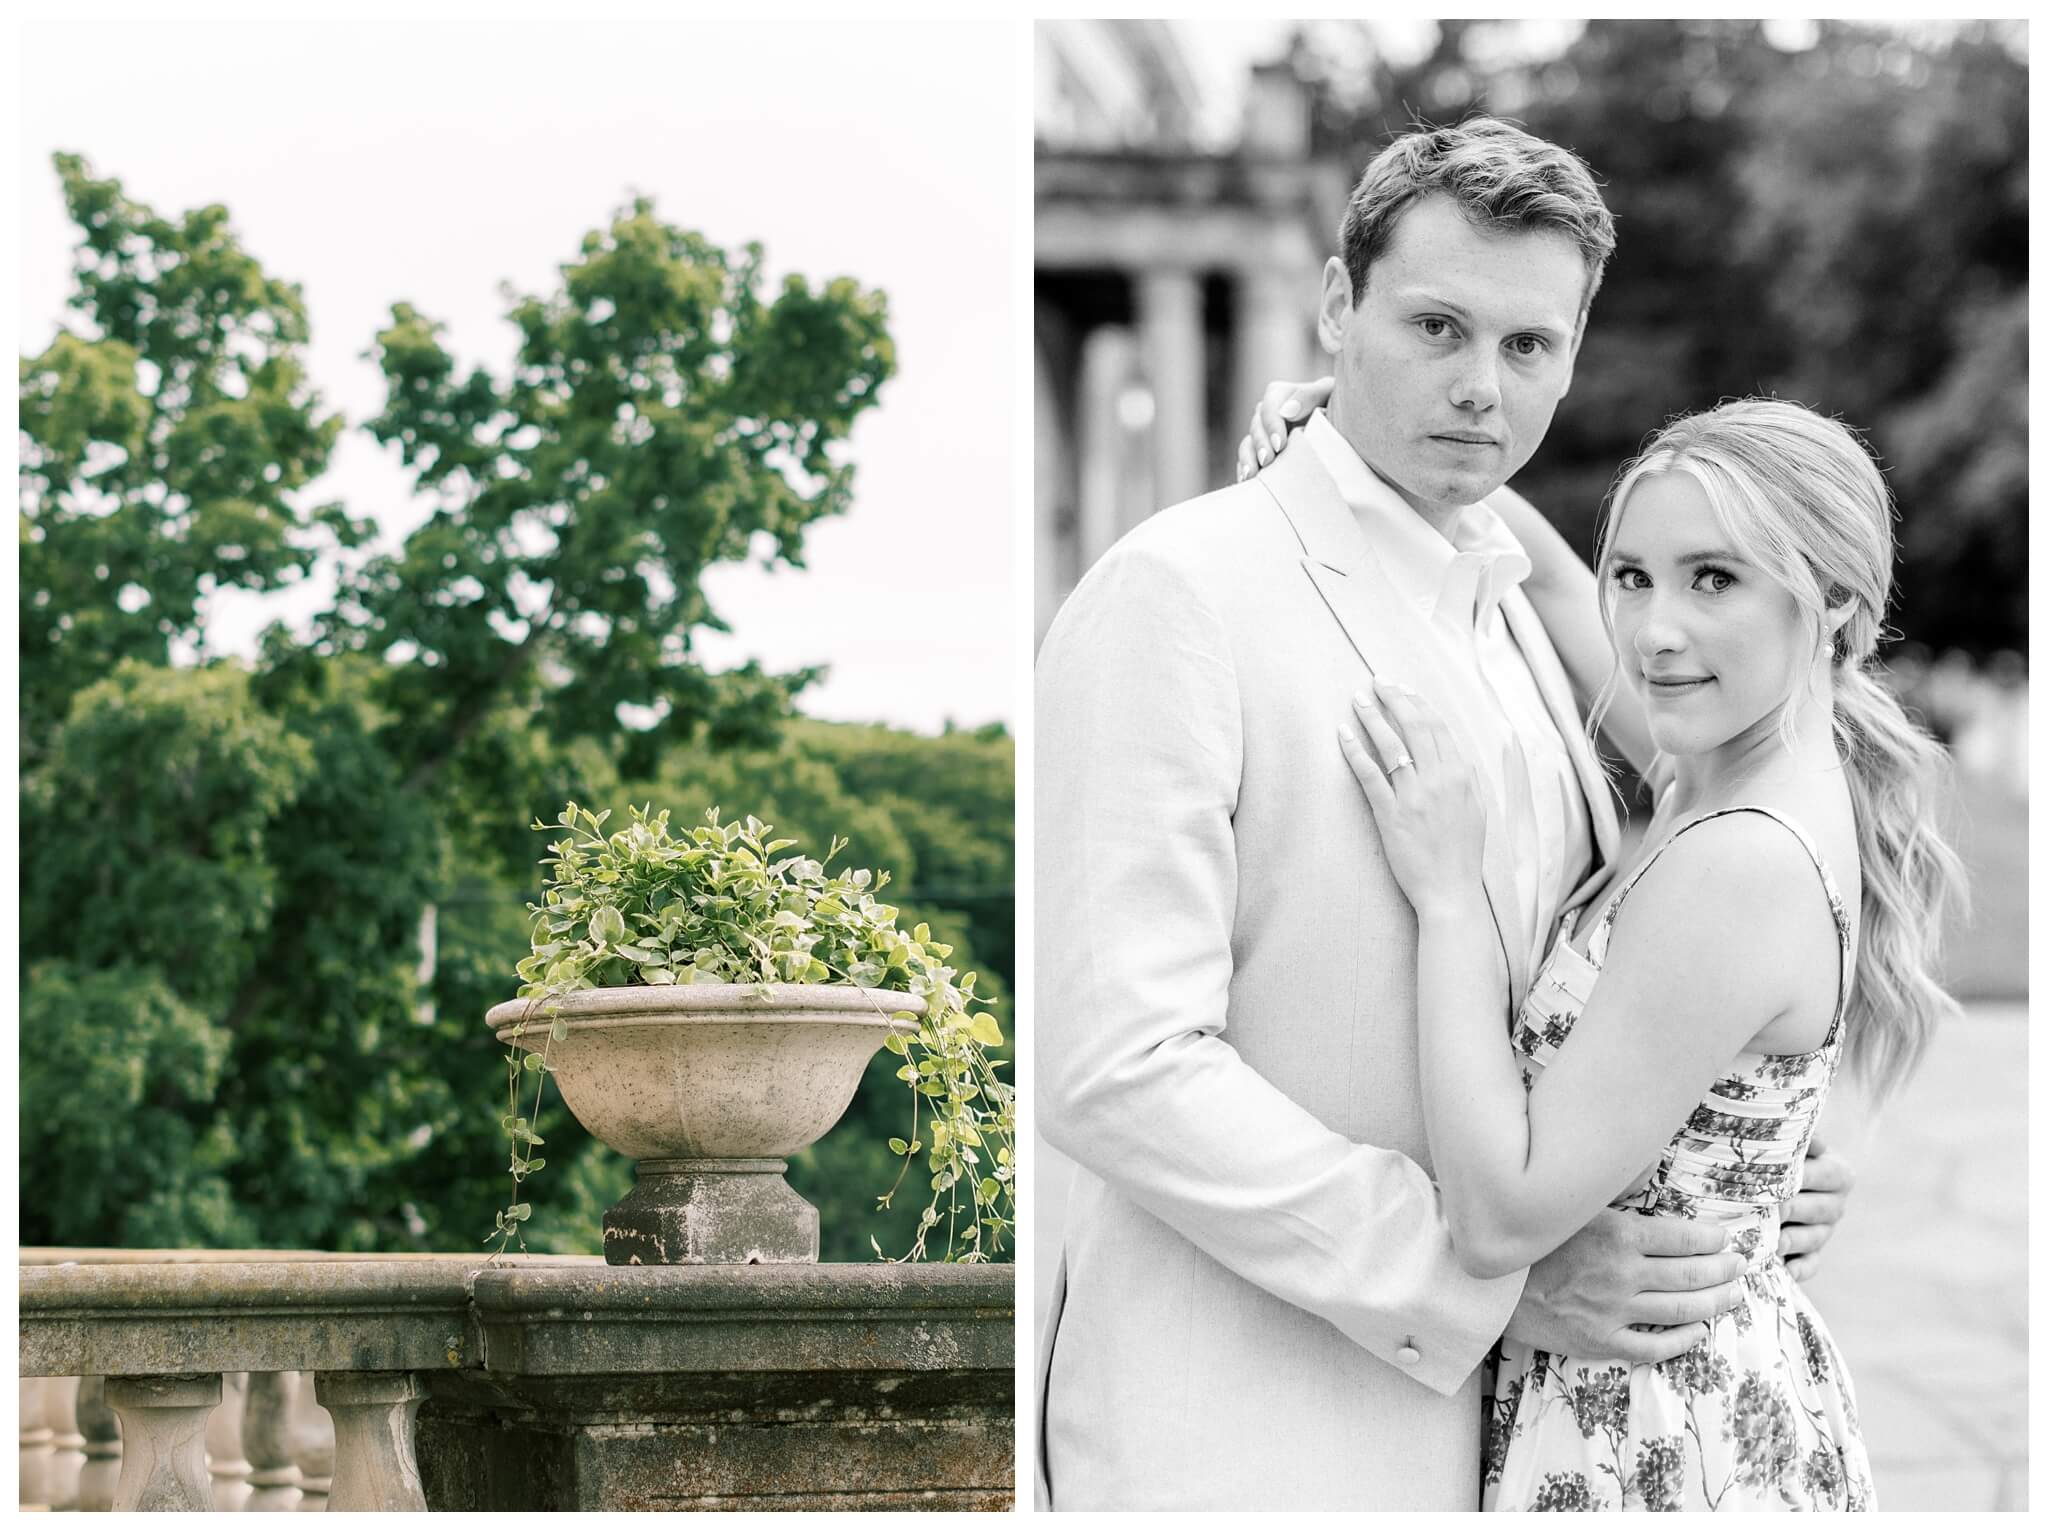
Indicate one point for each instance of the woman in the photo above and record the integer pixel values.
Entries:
(1781, 914)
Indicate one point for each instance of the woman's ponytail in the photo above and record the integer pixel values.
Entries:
(1911, 880)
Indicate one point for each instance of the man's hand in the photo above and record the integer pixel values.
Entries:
(1623, 1269)
(1811, 1215)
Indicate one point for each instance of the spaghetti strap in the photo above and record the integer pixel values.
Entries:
(1845, 930)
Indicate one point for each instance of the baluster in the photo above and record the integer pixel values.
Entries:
(312, 1441)
(267, 1442)
(373, 1416)
(102, 1431)
(163, 1439)
(67, 1446)
(36, 1436)
(224, 1459)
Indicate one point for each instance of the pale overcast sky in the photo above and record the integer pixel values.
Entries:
(376, 160)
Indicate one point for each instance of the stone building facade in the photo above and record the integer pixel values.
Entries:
(1174, 277)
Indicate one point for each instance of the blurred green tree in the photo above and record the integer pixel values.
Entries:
(163, 448)
(659, 417)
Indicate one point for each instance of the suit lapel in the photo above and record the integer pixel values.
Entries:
(1386, 633)
(1556, 691)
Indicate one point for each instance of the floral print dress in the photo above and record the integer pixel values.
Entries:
(1760, 1415)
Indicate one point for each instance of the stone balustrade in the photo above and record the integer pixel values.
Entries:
(260, 1380)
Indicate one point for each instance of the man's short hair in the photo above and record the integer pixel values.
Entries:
(1503, 179)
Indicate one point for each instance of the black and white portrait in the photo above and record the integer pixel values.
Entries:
(1530, 747)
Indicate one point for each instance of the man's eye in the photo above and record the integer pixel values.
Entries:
(1435, 329)
(1527, 345)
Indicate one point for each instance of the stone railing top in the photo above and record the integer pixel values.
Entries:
(753, 1318)
(593, 1286)
(530, 1316)
(55, 1254)
(270, 1315)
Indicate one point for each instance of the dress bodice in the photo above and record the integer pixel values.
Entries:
(1736, 1158)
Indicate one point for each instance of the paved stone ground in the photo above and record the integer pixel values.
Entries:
(1925, 1287)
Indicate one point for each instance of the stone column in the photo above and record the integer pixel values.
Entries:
(1052, 486)
(267, 1442)
(1275, 335)
(1106, 437)
(1170, 329)
(224, 1459)
(36, 1447)
(67, 1445)
(373, 1465)
(102, 1432)
(312, 1444)
(163, 1440)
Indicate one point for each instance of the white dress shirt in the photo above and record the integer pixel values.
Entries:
(1457, 585)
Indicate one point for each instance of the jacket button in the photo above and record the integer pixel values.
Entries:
(1407, 1355)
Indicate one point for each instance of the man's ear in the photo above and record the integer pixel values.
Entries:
(1333, 314)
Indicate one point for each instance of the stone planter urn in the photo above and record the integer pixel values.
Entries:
(709, 1088)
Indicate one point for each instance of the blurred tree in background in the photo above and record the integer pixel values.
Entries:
(1838, 217)
(265, 906)
(161, 454)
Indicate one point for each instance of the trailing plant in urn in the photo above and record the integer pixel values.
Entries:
(727, 904)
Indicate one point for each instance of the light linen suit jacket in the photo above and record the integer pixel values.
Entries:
(1257, 1303)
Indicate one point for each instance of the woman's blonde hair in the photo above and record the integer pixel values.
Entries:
(1803, 501)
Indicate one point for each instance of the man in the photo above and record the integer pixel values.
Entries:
(1258, 1306)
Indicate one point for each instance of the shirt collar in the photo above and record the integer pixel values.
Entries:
(1460, 579)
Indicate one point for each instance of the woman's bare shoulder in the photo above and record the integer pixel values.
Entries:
(1740, 886)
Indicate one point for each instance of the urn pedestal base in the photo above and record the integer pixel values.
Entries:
(711, 1212)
